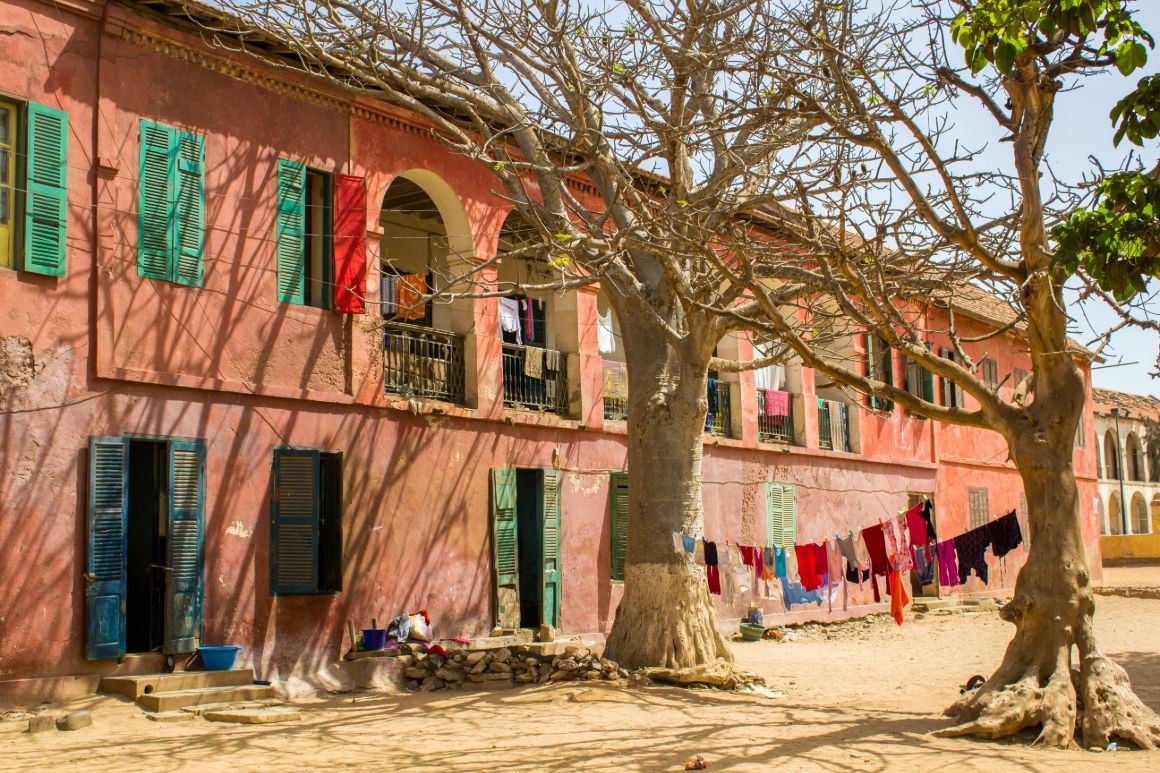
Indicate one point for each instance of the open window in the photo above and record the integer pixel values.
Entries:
(305, 235)
(33, 193)
(306, 523)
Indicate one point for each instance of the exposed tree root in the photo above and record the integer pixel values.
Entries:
(1111, 711)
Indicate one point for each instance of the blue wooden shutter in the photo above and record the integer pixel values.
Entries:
(189, 206)
(505, 544)
(291, 232)
(45, 212)
(185, 544)
(551, 594)
(155, 214)
(294, 522)
(618, 504)
(105, 560)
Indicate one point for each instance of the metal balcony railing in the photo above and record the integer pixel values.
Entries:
(833, 426)
(535, 379)
(774, 416)
(421, 362)
(719, 417)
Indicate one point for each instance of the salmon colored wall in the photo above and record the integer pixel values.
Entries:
(119, 354)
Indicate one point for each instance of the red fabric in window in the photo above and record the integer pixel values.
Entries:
(350, 244)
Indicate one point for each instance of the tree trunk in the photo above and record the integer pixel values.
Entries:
(1040, 683)
(666, 617)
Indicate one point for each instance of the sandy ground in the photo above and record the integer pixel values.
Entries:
(862, 696)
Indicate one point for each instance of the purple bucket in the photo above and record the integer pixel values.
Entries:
(374, 638)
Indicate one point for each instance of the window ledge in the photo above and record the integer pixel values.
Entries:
(532, 418)
(422, 406)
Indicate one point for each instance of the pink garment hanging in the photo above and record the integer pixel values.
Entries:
(776, 403)
(902, 560)
(948, 565)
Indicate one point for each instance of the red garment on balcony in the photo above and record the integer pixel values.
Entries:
(776, 403)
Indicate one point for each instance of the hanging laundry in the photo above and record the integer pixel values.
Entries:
(767, 564)
(509, 318)
(552, 362)
(726, 560)
(822, 561)
(875, 540)
(534, 362)
(923, 564)
(615, 378)
(779, 561)
(409, 297)
(699, 551)
(791, 565)
(898, 597)
(688, 543)
(605, 341)
(899, 555)
(776, 403)
(807, 567)
(834, 562)
(794, 593)
(970, 552)
(1005, 534)
(679, 542)
(712, 572)
(916, 525)
(948, 572)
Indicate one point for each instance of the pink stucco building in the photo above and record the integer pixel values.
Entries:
(181, 385)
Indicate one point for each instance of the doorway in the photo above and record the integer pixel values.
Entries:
(525, 512)
(145, 559)
(931, 589)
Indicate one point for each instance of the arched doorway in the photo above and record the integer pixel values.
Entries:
(1115, 515)
(423, 333)
(1134, 457)
(1139, 514)
(1111, 456)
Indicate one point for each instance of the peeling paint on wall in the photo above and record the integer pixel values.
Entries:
(17, 365)
(239, 529)
(595, 482)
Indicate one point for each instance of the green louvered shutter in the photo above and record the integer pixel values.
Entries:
(789, 513)
(294, 522)
(781, 514)
(189, 206)
(45, 213)
(185, 545)
(551, 594)
(155, 218)
(291, 236)
(505, 546)
(618, 504)
(105, 559)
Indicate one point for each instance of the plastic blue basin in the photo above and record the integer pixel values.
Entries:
(218, 658)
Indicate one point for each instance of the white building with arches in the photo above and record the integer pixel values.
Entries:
(1127, 436)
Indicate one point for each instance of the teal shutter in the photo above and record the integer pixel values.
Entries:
(189, 206)
(291, 232)
(105, 559)
(618, 504)
(185, 544)
(505, 545)
(47, 191)
(155, 215)
(551, 594)
(294, 522)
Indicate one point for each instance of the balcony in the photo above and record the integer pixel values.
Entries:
(834, 426)
(774, 416)
(615, 380)
(421, 362)
(719, 417)
(535, 379)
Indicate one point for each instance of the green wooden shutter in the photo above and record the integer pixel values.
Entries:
(294, 523)
(789, 514)
(781, 514)
(551, 562)
(105, 559)
(45, 211)
(291, 234)
(505, 546)
(189, 209)
(185, 545)
(155, 214)
(618, 505)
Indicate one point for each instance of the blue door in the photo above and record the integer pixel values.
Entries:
(185, 545)
(105, 559)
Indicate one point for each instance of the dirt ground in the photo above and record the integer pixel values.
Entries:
(861, 696)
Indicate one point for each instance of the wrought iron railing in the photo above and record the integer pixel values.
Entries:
(615, 376)
(774, 416)
(719, 417)
(421, 362)
(535, 379)
(833, 426)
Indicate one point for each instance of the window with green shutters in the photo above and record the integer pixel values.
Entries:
(305, 235)
(171, 205)
(306, 522)
(618, 506)
(33, 195)
(781, 514)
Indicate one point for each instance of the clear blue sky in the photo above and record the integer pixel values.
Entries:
(1082, 129)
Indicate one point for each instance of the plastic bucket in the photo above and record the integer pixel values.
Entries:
(374, 638)
(218, 658)
(750, 632)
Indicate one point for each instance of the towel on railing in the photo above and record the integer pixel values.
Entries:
(533, 362)
(405, 296)
(551, 360)
(776, 403)
(615, 381)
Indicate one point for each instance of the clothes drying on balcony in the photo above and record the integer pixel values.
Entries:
(534, 362)
(615, 378)
(403, 296)
(509, 319)
(605, 341)
(776, 403)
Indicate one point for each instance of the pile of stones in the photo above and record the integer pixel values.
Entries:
(505, 666)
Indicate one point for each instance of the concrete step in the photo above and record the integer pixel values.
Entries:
(146, 684)
(179, 699)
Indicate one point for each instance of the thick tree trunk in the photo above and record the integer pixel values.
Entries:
(1053, 672)
(666, 617)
